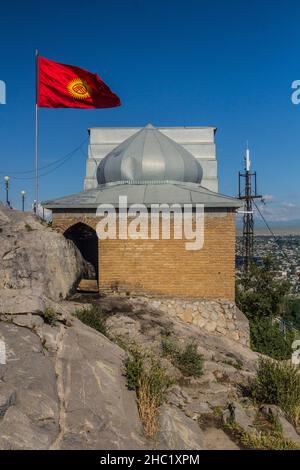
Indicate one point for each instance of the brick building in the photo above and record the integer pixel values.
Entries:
(153, 166)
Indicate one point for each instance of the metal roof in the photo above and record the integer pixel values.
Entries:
(146, 156)
(154, 192)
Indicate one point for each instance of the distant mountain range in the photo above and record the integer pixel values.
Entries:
(290, 227)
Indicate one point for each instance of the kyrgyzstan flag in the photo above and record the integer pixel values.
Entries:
(67, 86)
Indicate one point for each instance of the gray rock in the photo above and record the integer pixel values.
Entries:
(195, 409)
(237, 415)
(288, 430)
(31, 253)
(216, 439)
(217, 394)
(7, 398)
(28, 321)
(75, 398)
(177, 431)
(18, 432)
(20, 302)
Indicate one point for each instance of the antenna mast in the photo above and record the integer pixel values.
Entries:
(248, 193)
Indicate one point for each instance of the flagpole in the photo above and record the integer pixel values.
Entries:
(36, 133)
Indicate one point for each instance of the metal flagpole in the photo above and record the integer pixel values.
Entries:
(36, 133)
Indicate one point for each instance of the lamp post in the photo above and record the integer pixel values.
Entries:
(6, 179)
(23, 194)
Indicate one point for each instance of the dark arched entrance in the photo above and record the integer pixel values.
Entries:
(86, 240)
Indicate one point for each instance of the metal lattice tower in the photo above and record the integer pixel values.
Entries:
(248, 192)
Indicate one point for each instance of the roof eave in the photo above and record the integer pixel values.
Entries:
(232, 205)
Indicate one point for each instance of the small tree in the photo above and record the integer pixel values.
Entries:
(262, 297)
(259, 294)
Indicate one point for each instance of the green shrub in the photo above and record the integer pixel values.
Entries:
(263, 440)
(50, 317)
(267, 441)
(134, 368)
(93, 317)
(267, 338)
(292, 312)
(149, 379)
(188, 360)
(139, 365)
(157, 380)
(28, 227)
(170, 347)
(278, 383)
(237, 363)
(259, 293)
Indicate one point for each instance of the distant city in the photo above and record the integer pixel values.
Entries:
(286, 251)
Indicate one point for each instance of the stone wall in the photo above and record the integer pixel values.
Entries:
(214, 316)
(165, 267)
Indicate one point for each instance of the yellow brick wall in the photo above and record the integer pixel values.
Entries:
(165, 266)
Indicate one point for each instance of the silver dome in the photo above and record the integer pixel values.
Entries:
(149, 156)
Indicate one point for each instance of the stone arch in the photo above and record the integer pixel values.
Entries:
(85, 238)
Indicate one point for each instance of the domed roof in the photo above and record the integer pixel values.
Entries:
(149, 156)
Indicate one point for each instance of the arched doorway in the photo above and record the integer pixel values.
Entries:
(86, 240)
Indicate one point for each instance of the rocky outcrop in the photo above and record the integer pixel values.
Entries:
(62, 384)
(71, 395)
(237, 414)
(220, 317)
(288, 430)
(31, 253)
(177, 431)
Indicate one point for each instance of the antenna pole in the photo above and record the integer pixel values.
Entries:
(247, 178)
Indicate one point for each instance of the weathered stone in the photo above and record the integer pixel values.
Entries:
(177, 431)
(28, 321)
(187, 316)
(217, 439)
(195, 409)
(204, 314)
(211, 326)
(231, 326)
(238, 415)
(221, 330)
(200, 322)
(20, 302)
(17, 432)
(7, 398)
(214, 316)
(288, 430)
(74, 399)
(30, 254)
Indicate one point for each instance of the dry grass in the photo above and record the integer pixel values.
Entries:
(267, 441)
(149, 379)
(148, 408)
(268, 436)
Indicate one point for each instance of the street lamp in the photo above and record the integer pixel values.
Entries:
(23, 194)
(6, 179)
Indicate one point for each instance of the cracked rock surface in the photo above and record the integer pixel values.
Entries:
(30, 254)
(73, 398)
(61, 385)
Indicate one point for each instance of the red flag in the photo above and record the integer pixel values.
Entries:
(67, 86)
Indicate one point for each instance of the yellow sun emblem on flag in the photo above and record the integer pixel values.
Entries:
(79, 89)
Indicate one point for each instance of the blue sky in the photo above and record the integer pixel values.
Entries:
(229, 64)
